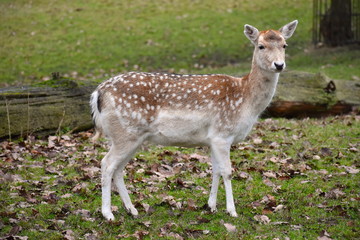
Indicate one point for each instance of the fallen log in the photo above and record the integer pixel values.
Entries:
(45, 108)
(51, 106)
(301, 94)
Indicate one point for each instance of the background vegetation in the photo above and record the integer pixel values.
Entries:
(96, 38)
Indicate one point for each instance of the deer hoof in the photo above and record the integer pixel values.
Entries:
(133, 211)
(233, 213)
(108, 216)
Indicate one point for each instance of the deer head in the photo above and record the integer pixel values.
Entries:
(269, 53)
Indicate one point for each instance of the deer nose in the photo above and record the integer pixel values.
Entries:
(279, 66)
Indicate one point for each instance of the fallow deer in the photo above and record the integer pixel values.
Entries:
(186, 110)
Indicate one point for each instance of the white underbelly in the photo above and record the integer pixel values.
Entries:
(181, 128)
(194, 128)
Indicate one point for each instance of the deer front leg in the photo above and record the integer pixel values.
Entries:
(230, 205)
(220, 152)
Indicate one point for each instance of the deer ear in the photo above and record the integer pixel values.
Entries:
(251, 33)
(288, 30)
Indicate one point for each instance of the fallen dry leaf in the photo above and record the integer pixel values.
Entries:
(269, 174)
(274, 159)
(147, 223)
(68, 234)
(269, 183)
(166, 232)
(278, 208)
(66, 195)
(353, 149)
(191, 204)
(256, 204)
(351, 170)
(140, 234)
(274, 145)
(279, 223)
(229, 227)
(91, 172)
(257, 141)
(245, 175)
(80, 187)
(262, 219)
(334, 194)
(195, 233)
(82, 212)
(201, 220)
(200, 158)
(148, 209)
(92, 236)
(296, 227)
(268, 199)
(324, 236)
(66, 137)
(15, 230)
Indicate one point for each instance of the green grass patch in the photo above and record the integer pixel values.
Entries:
(95, 39)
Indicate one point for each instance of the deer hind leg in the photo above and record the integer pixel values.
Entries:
(220, 152)
(112, 166)
(119, 182)
(214, 185)
(107, 170)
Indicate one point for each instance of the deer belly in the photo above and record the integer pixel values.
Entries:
(180, 129)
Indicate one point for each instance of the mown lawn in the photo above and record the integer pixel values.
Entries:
(97, 38)
(292, 179)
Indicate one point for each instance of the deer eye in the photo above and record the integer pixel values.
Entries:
(261, 47)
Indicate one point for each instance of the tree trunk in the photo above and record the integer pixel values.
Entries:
(335, 26)
(51, 106)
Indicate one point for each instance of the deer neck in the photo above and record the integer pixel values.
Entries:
(260, 77)
(261, 88)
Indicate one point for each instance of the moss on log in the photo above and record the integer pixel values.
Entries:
(301, 94)
(47, 107)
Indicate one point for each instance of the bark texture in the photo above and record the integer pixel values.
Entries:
(45, 108)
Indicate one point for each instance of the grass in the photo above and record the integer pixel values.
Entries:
(94, 39)
(307, 167)
(50, 189)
